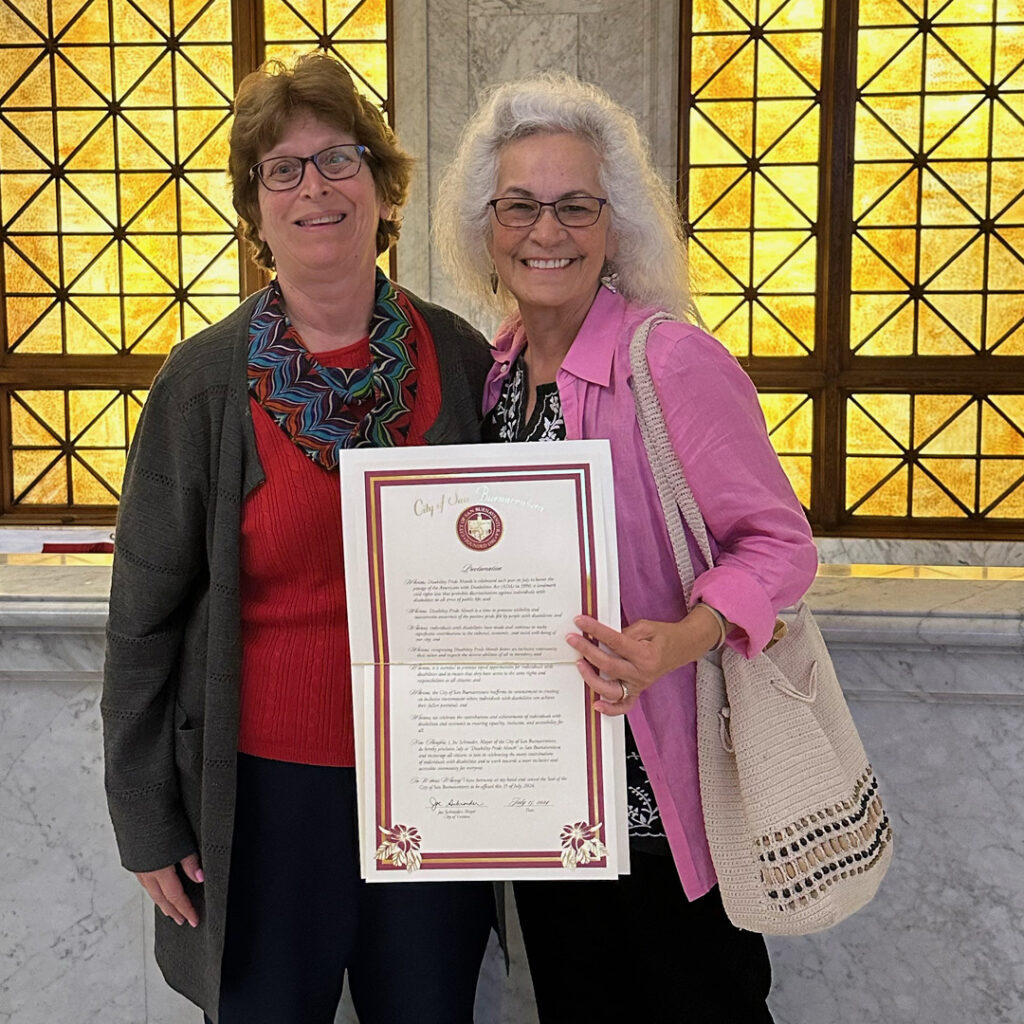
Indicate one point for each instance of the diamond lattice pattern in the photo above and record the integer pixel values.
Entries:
(935, 455)
(117, 225)
(353, 30)
(70, 446)
(752, 177)
(938, 246)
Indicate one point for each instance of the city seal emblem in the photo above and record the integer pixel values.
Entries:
(479, 527)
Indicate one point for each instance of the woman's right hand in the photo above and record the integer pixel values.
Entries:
(165, 888)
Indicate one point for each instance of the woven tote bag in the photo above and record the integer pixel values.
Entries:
(796, 827)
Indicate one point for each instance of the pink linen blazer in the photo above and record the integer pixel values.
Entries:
(765, 556)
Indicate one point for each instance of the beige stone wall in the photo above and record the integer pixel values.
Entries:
(447, 52)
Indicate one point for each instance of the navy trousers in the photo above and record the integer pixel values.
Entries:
(606, 952)
(299, 916)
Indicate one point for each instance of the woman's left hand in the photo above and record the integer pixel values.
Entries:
(639, 655)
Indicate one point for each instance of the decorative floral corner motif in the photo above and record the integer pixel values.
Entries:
(580, 844)
(400, 845)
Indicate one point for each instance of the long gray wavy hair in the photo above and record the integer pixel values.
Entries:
(650, 260)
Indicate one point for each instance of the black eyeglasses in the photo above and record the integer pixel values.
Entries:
(572, 212)
(281, 173)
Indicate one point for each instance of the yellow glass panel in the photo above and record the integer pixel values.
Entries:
(17, 21)
(708, 144)
(716, 16)
(731, 249)
(82, 77)
(949, 325)
(718, 186)
(959, 59)
(733, 206)
(802, 50)
(876, 487)
(21, 275)
(85, 336)
(796, 314)
(90, 472)
(775, 77)
(874, 137)
(369, 62)
(787, 131)
(707, 56)
(734, 77)
(1005, 323)
(965, 273)
(866, 435)
(773, 248)
(876, 47)
(945, 424)
(105, 312)
(733, 329)
(796, 273)
(1009, 44)
(889, 12)
(931, 498)
(708, 275)
(1002, 419)
(1002, 489)
(777, 203)
(29, 429)
(1006, 269)
(965, 11)
(896, 63)
(1008, 127)
(39, 478)
(799, 468)
(48, 408)
(771, 336)
(367, 21)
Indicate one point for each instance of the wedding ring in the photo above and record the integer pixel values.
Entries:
(625, 691)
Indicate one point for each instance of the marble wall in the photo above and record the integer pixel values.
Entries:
(447, 52)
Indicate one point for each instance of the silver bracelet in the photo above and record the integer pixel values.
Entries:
(723, 628)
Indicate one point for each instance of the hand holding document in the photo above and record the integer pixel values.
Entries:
(479, 752)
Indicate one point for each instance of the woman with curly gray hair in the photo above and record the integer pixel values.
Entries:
(552, 209)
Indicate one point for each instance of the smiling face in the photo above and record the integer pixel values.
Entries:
(549, 268)
(319, 227)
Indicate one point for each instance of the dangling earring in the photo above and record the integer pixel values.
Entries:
(610, 277)
(494, 279)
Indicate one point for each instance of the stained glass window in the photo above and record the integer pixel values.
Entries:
(117, 233)
(853, 188)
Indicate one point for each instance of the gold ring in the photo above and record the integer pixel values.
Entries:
(625, 691)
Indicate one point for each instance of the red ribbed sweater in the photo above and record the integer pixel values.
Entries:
(296, 699)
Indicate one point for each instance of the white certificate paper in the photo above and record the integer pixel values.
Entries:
(479, 753)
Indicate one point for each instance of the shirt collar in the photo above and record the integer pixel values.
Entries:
(593, 349)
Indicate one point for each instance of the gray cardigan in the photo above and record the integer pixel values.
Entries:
(171, 679)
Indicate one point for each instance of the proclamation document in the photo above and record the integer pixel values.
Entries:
(479, 753)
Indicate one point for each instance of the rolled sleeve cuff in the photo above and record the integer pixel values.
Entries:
(743, 601)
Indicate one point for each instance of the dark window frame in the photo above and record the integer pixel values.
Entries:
(833, 373)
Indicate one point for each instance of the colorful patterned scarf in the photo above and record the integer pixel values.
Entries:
(315, 405)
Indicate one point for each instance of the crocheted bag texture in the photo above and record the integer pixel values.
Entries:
(795, 824)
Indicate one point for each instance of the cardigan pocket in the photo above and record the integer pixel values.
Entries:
(188, 759)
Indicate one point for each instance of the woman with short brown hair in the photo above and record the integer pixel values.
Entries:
(227, 704)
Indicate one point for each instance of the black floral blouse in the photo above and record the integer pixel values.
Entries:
(505, 422)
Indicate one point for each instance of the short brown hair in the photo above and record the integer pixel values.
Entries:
(269, 98)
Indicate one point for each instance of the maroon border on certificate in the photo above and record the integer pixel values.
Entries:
(374, 482)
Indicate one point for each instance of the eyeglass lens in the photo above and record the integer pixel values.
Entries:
(335, 163)
(573, 212)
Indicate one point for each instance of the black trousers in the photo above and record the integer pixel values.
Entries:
(637, 950)
(299, 916)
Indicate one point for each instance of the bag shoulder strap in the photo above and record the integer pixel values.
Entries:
(673, 488)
